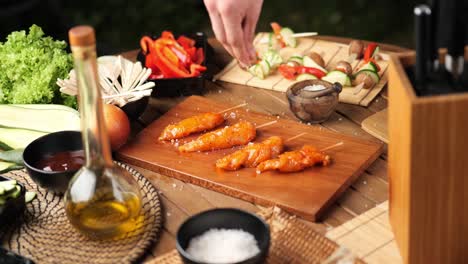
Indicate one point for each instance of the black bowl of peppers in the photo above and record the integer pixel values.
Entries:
(178, 63)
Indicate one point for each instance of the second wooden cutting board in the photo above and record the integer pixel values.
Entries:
(305, 193)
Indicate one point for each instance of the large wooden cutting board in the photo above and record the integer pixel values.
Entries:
(304, 193)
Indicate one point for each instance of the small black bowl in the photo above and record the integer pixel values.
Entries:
(13, 207)
(56, 181)
(136, 108)
(226, 218)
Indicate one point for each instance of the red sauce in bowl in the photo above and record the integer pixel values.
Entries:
(62, 161)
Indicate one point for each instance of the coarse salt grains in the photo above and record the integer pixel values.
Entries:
(223, 246)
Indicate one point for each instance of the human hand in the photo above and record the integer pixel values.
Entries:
(234, 23)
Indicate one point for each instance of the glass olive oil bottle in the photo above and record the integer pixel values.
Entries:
(102, 200)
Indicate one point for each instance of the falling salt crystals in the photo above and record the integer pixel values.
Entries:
(223, 246)
(364, 182)
(168, 214)
(174, 185)
(219, 91)
(339, 119)
(176, 114)
(232, 115)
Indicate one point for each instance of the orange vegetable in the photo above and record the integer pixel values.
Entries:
(117, 125)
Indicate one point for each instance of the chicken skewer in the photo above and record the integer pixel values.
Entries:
(297, 160)
(238, 134)
(194, 124)
(254, 154)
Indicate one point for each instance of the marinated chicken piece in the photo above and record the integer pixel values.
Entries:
(252, 155)
(297, 160)
(194, 124)
(238, 134)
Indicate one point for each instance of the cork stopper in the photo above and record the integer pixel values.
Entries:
(82, 36)
(466, 53)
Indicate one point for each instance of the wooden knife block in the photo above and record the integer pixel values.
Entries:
(428, 170)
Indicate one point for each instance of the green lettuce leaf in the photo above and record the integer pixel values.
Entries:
(29, 68)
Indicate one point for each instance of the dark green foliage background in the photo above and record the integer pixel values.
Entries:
(120, 23)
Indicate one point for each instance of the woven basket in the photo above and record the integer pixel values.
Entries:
(45, 235)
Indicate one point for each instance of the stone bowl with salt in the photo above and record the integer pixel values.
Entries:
(223, 235)
(313, 101)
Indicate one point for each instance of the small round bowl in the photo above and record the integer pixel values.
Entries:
(228, 219)
(313, 105)
(56, 181)
(136, 108)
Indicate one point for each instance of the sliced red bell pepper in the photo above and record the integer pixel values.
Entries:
(288, 72)
(183, 56)
(310, 70)
(369, 51)
(186, 42)
(146, 44)
(200, 56)
(170, 55)
(167, 35)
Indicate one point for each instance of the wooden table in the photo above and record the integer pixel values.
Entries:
(181, 200)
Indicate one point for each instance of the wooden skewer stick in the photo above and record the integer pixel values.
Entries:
(231, 108)
(296, 136)
(305, 34)
(267, 124)
(333, 146)
(296, 35)
(358, 88)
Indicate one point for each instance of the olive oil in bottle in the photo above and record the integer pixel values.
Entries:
(103, 200)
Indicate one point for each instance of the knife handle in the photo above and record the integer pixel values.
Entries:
(422, 16)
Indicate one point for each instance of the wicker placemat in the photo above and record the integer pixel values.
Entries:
(46, 236)
(292, 241)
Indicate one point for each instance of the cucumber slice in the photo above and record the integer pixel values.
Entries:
(369, 66)
(305, 76)
(29, 196)
(47, 107)
(308, 62)
(15, 156)
(14, 138)
(16, 192)
(272, 41)
(265, 67)
(8, 166)
(257, 71)
(288, 36)
(376, 51)
(298, 59)
(2, 200)
(10, 182)
(372, 74)
(40, 119)
(2, 191)
(7, 189)
(273, 58)
(339, 77)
